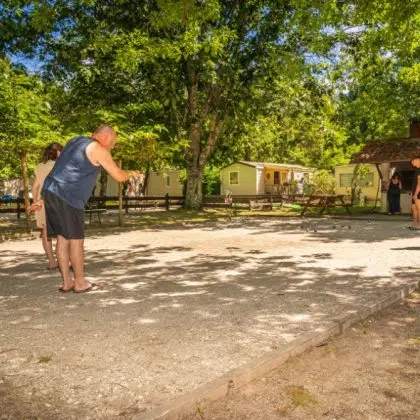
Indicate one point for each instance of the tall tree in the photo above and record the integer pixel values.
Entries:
(204, 62)
(26, 123)
(378, 72)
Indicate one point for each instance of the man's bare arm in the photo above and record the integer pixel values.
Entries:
(98, 155)
(36, 190)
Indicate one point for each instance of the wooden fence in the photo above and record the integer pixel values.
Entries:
(17, 205)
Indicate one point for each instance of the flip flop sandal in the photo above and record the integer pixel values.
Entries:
(61, 290)
(53, 268)
(88, 289)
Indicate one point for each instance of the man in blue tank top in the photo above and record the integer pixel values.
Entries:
(65, 193)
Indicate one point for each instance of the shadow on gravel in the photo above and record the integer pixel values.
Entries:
(242, 279)
(333, 231)
(192, 298)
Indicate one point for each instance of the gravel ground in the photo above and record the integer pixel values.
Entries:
(180, 306)
(371, 372)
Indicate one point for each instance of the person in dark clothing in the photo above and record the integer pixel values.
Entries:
(415, 197)
(65, 193)
(394, 194)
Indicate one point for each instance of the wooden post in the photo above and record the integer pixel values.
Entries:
(167, 201)
(126, 204)
(381, 178)
(120, 201)
(24, 164)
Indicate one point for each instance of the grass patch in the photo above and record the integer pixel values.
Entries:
(45, 359)
(302, 397)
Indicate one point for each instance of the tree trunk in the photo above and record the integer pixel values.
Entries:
(199, 151)
(247, 153)
(145, 181)
(194, 191)
(103, 183)
(355, 184)
(120, 202)
(24, 164)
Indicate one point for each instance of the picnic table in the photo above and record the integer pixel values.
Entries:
(325, 202)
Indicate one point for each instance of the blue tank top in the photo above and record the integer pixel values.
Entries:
(73, 176)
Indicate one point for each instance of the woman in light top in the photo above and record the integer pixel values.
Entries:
(50, 155)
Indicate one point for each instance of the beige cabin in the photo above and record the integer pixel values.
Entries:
(369, 186)
(259, 178)
(166, 181)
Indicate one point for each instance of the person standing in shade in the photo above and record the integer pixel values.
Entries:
(65, 193)
(415, 194)
(50, 155)
(394, 194)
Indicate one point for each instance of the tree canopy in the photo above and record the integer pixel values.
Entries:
(196, 82)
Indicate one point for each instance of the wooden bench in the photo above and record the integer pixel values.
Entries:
(260, 205)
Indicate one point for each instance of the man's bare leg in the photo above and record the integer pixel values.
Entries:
(48, 248)
(77, 258)
(63, 257)
(416, 214)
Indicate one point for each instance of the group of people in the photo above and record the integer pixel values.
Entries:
(63, 184)
(394, 189)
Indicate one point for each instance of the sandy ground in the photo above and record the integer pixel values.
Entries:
(181, 306)
(371, 372)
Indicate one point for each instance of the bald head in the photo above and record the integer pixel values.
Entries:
(106, 136)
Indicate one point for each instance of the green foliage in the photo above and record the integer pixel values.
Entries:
(323, 182)
(358, 182)
(192, 82)
(211, 181)
(378, 71)
(26, 121)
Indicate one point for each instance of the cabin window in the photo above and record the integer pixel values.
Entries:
(168, 180)
(234, 178)
(345, 180)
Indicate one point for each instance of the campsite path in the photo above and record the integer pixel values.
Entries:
(181, 306)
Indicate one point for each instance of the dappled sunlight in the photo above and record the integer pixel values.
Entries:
(203, 300)
(247, 288)
(21, 320)
(206, 315)
(146, 321)
(114, 301)
(177, 294)
(133, 286)
(341, 297)
(191, 283)
(305, 282)
(168, 306)
(4, 298)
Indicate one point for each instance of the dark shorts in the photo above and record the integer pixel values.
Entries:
(63, 219)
